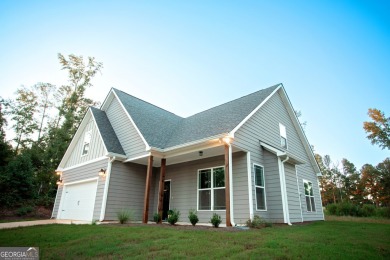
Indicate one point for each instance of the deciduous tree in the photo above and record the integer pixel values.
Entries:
(378, 129)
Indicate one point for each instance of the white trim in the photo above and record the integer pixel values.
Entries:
(254, 181)
(273, 149)
(211, 189)
(55, 201)
(100, 134)
(81, 164)
(75, 138)
(254, 111)
(105, 191)
(283, 190)
(138, 157)
(121, 156)
(81, 181)
(304, 193)
(299, 192)
(147, 147)
(319, 192)
(231, 186)
(250, 190)
(301, 133)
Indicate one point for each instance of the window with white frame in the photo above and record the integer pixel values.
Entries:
(309, 195)
(260, 187)
(283, 136)
(211, 189)
(87, 141)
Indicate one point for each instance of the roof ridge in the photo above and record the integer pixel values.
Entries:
(147, 102)
(233, 100)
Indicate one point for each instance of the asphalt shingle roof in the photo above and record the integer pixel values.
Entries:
(163, 129)
(107, 132)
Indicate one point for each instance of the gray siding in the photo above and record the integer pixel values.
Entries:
(81, 173)
(294, 206)
(126, 190)
(264, 126)
(127, 134)
(184, 178)
(96, 147)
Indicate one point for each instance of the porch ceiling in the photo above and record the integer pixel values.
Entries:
(186, 157)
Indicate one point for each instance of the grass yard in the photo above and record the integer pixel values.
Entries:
(318, 240)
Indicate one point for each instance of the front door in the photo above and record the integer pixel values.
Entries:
(167, 196)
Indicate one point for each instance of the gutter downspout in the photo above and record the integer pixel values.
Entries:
(231, 186)
(285, 191)
(105, 194)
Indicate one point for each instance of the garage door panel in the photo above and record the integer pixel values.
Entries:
(79, 201)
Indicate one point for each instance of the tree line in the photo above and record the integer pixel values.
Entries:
(368, 185)
(44, 118)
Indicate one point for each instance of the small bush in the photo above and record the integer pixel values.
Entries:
(173, 216)
(368, 210)
(193, 217)
(157, 217)
(124, 216)
(383, 212)
(258, 222)
(331, 209)
(215, 220)
(24, 211)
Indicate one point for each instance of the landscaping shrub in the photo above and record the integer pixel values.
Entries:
(331, 209)
(216, 220)
(258, 222)
(124, 216)
(24, 211)
(173, 216)
(368, 210)
(383, 212)
(157, 217)
(193, 217)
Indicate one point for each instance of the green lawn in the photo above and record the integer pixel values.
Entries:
(319, 240)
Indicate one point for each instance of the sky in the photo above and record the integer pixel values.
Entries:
(333, 57)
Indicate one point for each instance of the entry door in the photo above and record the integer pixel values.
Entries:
(167, 196)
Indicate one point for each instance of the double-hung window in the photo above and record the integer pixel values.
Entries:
(309, 195)
(283, 136)
(87, 141)
(260, 187)
(211, 189)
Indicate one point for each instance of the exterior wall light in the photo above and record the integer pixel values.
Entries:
(59, 173)
(59, 182)
(102, 172)
(200, 153)
(227, 139)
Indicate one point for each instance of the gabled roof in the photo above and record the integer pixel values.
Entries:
(163, 129)
(107, 133)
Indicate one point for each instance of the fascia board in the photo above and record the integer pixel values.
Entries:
(147, 147)
(254, 111)
(76, 137)
(301, 133)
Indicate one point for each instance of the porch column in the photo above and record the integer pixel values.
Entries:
(147, 189)
(161, 188)
(227, 186)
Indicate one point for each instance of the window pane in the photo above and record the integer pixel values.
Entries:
(219, 177)
(259, 176)
(219, 199)
(85, 148)
(204, 200)
(260, 198)
(306, 185)
(313, 207)
(283, 142)
(308, 203)
(311, 189)
(205, 179)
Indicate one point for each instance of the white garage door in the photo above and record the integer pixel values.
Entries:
(79, 201)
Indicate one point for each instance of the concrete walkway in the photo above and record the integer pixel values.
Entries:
(41, 222)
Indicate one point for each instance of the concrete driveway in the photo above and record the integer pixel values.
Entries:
(42, 222)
